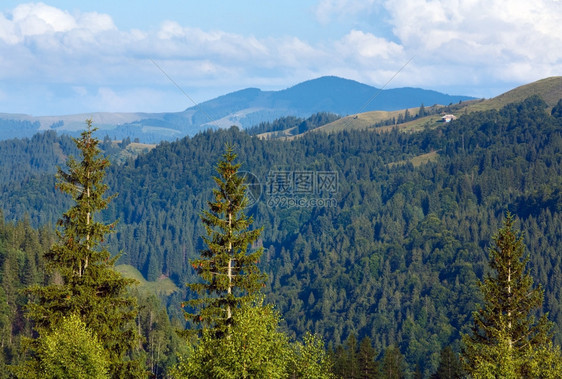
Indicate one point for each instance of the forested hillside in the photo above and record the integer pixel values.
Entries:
(392, 252)
(21, 264)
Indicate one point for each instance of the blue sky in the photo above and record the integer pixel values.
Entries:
(63, 57)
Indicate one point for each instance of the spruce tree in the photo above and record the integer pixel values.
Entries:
(84, 282)
(227, 268)
(449, 365)
(421, 111)
(239, 336)
(505, 330)
(352, 364)
(368, 367)
(392, 363)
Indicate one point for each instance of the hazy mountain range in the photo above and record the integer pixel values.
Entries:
(244, 108)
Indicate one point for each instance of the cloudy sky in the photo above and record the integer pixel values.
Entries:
(62, 56)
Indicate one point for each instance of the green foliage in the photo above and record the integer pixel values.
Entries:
(295, 124)
(352, 361)
(27, 166)
(500, 361)
(255, 348)
(243, 340)
(85, 282)
(496, 361)
(421, 111)
(368, 367)
(505, 333)
(17, 128)
(71, 351)
(544, 362)
(309, 359)
(229, 272)
(162, 287)
(26, 170)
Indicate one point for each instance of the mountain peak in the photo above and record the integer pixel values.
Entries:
(329, 81)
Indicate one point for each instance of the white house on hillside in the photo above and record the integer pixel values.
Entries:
(448, 118)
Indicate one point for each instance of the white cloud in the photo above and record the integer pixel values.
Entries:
(7, 31)
(108, 99)
(366, 46)
(453, 42)
(171, 29)
(35, 19)
(491, 33)
(174, 39)
(294, 53)
(38, 19)
(80, 91)
(96, 22)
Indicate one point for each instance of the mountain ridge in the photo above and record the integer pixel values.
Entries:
(549, 89)
(244, 108)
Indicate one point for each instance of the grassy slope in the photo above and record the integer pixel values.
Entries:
(131, 151)
(361, 120)
(162, 287)
(550, 89)
(418, 160)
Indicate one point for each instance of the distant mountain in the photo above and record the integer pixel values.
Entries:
(244, 108)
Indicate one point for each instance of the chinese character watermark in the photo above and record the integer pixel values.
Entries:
(292, 183)
(299, 188)
(290, 189)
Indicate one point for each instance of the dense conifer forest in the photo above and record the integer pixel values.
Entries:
(384, 268)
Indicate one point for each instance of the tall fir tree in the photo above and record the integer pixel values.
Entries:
(392, 366)
(449, 365)
(229, 271)
(505, 330)
(84, 281)
(366, 357)
(352, 363)
(240, 337)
